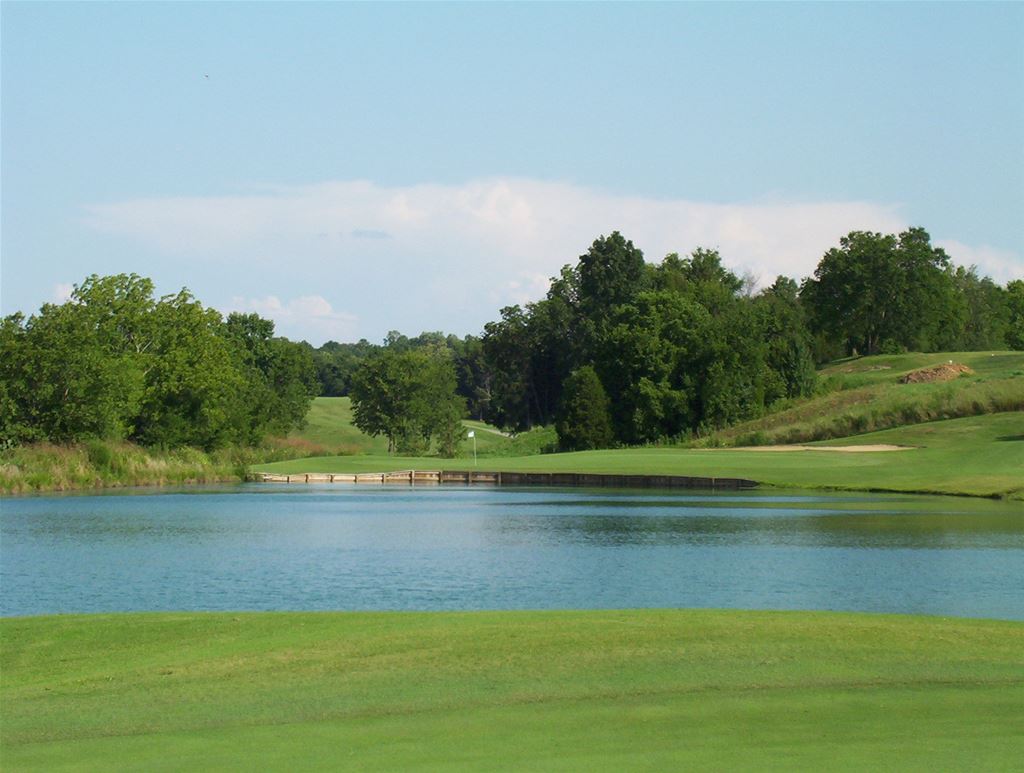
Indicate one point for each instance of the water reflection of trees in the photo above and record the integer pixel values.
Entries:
(728, 526)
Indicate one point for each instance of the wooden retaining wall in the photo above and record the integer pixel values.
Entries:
(468, 477)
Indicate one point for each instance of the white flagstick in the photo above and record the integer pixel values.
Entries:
(472, 434)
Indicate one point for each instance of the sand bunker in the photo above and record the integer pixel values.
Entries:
(947, 372)
(840, 449)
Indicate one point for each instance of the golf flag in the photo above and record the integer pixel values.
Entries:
(471, 433)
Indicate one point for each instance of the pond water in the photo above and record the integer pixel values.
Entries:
(307, 547)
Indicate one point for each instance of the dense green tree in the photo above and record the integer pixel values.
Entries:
(408, 397)
(583, 421)
(983, 312)
(1015, 317)
(736, 375)
(610, 273)
(14, 423)
(280, 375)
(194, 392)
(77, 369)
(881, 292)
(61, 385)
(472, 374)
(783, 327)
(700, 276)
(507, 349)
(335, 363)
(650, 362)
(113, 362)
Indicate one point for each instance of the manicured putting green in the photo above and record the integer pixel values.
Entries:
(601, 690)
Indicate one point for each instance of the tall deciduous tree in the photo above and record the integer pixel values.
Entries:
(611, 273)
(280, 374)
(984, 312)
(408, 397)
(882, 292)
(194, 392)
(114, 362)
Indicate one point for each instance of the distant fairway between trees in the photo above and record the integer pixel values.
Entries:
(329, 430)
(967, 434)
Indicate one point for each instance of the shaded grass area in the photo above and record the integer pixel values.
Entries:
(651, 689)
(976, 456)
(861, 395)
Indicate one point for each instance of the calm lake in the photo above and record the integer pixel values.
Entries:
(307, 547)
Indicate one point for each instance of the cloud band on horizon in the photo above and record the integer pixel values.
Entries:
(497, 239)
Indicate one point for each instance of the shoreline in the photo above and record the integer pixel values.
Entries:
(321, 478)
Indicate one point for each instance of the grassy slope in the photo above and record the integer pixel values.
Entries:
(886, 368)
(978, 455)
(864, 394)
(608, 690)
(329, 427)
(329, 424)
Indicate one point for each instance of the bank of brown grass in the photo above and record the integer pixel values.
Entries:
(107, 464)
(881, 403)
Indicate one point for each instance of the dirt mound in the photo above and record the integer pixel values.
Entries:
(946, 372)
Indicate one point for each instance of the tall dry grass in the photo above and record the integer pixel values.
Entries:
(873, 408)
(107, 464)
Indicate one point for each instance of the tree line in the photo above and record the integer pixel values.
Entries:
(116, 363)
(622, 351)
(619, 351)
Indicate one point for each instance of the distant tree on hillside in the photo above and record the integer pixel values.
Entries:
(408, 397)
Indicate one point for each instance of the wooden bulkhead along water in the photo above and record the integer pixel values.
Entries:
(465, 477)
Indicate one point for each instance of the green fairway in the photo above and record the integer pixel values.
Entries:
(609, 690)
(329, 424)
(978, 455)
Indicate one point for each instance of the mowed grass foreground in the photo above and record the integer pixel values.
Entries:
(977, 455)
(596, 690)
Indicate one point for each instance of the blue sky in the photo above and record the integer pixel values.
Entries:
(347, 169)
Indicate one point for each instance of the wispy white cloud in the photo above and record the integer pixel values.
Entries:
(62, 292)
(303, 317)
(448, 256)
(1001, 265)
